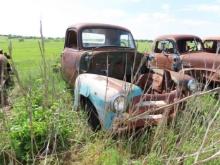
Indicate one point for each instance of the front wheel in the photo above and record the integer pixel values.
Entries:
(93, 119)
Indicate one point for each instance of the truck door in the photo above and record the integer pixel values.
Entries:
(70, 57)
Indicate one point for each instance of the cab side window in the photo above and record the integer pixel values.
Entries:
(210, 46)
(71, 40)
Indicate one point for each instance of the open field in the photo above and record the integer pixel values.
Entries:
(43, 128)
(26, 54)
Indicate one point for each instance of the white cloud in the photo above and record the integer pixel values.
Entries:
(56, 16)
(129, 1)
(149, 25)
(205, 7)
(209, 8)
(196, 23)
(23, 18)
(166, 7)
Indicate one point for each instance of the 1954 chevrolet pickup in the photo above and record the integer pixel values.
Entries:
(112, 80)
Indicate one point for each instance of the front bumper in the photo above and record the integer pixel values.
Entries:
(148, 110)
(127, 122)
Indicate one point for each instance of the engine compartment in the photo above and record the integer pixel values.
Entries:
(129, 67)
(119, 65)
(156, 83)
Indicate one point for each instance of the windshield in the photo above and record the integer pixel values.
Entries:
(189, 45)
(101, 37)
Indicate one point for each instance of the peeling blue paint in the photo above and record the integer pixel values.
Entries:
(109, 119)
(102, 106)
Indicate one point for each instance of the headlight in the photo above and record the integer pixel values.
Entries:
(192, 85)
(119, 104)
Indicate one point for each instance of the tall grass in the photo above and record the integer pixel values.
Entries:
(41, 121)
(43, 128)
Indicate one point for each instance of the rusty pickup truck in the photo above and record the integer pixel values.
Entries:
(186, 53)
(113, 82)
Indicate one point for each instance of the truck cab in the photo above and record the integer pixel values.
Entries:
(100, 49)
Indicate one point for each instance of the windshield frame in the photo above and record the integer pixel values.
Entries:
(105, 46)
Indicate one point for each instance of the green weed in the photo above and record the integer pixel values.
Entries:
(42, 127)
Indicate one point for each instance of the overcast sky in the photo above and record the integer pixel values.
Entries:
(145, 18)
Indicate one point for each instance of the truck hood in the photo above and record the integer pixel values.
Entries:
(201, 60)
(102, 87)
(199, 54)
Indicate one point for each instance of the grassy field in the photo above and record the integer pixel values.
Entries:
(27, 56)
(43, 128)
(144, 46)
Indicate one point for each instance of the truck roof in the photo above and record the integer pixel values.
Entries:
(217, 38)
(176, 37)
(80, 26)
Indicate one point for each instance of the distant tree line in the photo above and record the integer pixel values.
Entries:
(11, 36)
(22, 38)
(144, 40)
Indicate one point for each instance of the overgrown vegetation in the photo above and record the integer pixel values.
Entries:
(42, 127)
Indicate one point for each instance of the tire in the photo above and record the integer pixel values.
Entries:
(93, 119)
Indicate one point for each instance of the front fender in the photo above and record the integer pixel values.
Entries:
(100, 90)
